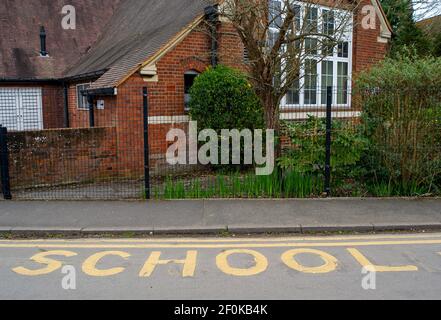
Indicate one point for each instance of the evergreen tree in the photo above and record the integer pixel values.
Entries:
(405, 31)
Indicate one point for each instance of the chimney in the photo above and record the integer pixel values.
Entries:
(43, 51)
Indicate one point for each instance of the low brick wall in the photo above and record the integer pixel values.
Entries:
(62, 156)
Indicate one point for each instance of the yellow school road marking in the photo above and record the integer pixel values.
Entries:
(42, 258)
(362, 260)
(261, 263)
(221, 246)
(89, 266)
(228, 240)
(189, 264)
(329, 265)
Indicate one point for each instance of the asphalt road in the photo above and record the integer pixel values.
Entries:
(344, 267)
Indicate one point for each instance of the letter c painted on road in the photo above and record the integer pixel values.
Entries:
(89, 266)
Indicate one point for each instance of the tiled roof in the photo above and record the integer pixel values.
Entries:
(137, 31)
(431, 26)
(20, 22)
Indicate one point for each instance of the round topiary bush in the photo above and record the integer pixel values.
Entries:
(222, 98)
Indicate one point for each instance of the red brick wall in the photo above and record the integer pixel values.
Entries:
(79, 118)
(231, 48)
(367, 50)
(62, 156)
(166, 98)
(167, 95)
(53, 107)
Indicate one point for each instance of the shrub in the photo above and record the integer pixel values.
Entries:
(401, 103)
(222, 98)
(309, 147)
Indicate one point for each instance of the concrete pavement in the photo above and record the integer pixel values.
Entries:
(215, 216)
(344, 267)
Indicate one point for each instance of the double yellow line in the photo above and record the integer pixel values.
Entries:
(397, 240)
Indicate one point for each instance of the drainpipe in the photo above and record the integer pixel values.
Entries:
(212, 15)
(66, 105)
(91, 111)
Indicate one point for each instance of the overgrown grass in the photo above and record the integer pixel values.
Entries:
(288, 185)
(388, 189)
(238, 185)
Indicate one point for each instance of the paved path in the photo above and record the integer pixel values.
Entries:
(406, 267)
(214, 216)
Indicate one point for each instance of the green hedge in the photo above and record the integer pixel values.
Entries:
(401, 100)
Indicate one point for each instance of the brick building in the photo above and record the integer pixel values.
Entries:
(120, 46)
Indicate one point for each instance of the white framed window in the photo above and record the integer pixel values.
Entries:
(189, 77)
(323, 65)
(82, 103)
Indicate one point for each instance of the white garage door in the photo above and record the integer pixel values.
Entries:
(21, 109)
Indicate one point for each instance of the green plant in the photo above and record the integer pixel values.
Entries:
(436, 45)
(243, 185)
(388, 189)
(222, 98)
(406, 33)
(402, 116)
(302, 185)
(309, 147)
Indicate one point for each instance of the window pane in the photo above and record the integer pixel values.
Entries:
(293, 95)
(342, 85)
(272, 37)
(189, 78)
(310, 81)
(327, 78)
(81, 99)
(328, 22)
(275, 10)
(297, 17)
(188, 82)
(277, 80)
(311, 19)
(311, 46)
(328, 48)
(343, 50)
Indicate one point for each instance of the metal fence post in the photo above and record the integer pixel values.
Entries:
(4, 163)
(146, 143)
(328, 141)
